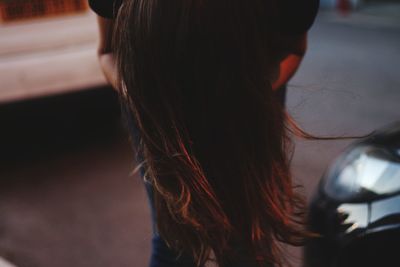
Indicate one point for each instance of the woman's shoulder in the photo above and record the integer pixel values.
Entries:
(105, 8)
(297, 16)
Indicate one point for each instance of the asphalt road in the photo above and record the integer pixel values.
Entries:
(66, 197)
(348, 85)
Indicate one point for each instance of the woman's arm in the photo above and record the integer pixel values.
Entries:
(106, 57)
(297, 47)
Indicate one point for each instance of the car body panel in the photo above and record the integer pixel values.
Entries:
(46, 56)
(348, 228)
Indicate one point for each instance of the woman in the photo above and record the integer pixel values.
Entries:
(197, 78)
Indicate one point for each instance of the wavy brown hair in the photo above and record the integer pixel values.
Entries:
(196, 75)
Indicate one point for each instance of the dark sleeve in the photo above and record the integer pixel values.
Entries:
(105, 8)
(297, 16)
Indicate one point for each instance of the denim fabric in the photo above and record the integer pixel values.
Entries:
(161, 254)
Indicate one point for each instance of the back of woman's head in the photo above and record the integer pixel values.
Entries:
(197, 77)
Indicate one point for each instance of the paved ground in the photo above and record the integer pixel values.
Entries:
(348, 84)
(79, 207)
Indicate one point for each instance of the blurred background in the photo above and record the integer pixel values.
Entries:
(66, 194)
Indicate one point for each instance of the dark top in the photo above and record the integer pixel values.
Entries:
(297, 16)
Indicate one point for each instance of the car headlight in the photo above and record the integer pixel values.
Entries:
(365, 172)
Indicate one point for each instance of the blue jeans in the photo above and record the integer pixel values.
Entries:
(163, 256)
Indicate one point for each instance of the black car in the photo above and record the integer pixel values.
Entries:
(355, 212)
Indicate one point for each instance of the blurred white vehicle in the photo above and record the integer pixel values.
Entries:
(47, 47)
(4, 263)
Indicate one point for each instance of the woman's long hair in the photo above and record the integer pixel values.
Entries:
(196, 75)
